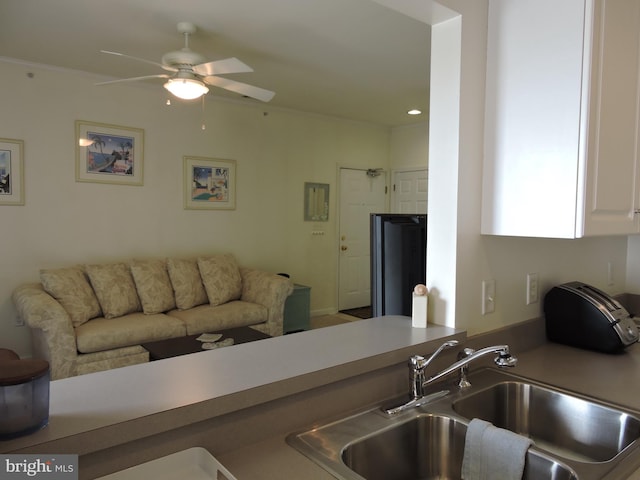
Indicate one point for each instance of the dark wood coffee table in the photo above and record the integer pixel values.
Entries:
(173, 347)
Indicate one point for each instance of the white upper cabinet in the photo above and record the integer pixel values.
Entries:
(562, 118)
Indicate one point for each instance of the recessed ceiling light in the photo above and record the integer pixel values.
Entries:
(414, 111)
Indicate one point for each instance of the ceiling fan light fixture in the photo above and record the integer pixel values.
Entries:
(186, 88)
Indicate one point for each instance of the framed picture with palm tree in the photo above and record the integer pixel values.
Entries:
(209, 183)
(109, 153)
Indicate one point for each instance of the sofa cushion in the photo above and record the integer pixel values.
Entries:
(107, 333)
(187, 283)
(71, 288)
(221, 277)
(206, 318)
(114, 288)
(153, 285)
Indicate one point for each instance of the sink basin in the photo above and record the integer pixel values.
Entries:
(561, 423)
(428, 447)
(412, 446)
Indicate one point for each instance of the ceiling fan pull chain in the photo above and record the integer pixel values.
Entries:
(204, 127)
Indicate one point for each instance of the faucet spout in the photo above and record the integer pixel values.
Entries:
(503, 359)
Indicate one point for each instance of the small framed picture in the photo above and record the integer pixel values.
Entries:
(11, 172)
(209, 183)
(109, 153)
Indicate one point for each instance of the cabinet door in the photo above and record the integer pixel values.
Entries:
(562, 118)
(611, 196)
(532, 118)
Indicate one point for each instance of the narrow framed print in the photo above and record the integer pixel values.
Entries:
(209, 183)
(109, 153)
(11, 172)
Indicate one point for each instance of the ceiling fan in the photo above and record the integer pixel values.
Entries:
(190, 73)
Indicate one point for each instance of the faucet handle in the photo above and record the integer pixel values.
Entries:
(445, 345)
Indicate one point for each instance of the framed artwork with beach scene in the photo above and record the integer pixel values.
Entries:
(11, 172)
(109, 153)
(209, 183)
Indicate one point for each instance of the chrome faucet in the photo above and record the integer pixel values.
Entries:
(468, 355)
(418, 364)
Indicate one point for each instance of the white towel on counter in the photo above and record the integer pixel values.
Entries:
(491, 452)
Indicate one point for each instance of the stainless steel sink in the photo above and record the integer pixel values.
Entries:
(575, 437)
(564, 424)
(426, 447)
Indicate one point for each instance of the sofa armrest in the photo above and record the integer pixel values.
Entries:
(267, 289)
(49, 319)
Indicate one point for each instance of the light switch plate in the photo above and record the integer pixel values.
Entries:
(488, 296)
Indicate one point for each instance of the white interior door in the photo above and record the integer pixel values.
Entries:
(360, 195)
(410, 191)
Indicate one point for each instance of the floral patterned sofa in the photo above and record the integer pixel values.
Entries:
(94, 317)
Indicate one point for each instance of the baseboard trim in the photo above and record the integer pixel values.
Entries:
(323, 311)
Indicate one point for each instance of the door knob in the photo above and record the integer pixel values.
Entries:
(343, 248)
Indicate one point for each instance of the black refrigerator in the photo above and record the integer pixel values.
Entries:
(398, 261)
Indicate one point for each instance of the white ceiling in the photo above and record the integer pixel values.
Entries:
(348, 58)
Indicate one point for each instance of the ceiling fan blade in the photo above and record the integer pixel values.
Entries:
(134, 79)
(241, 88)
(151, 62)
(220, 67)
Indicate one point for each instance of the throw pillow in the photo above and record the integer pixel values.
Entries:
(153, 285)
(114, 288)
(221, 277)
(186, 282)
(71, 288)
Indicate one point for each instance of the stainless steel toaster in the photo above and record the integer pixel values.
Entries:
(583, 316)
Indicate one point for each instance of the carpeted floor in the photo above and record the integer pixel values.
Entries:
(330, 320)
(361, 312)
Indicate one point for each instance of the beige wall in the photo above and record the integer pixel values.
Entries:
(65, 222)
(410, 146)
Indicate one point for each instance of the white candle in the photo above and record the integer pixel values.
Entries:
(419, 307)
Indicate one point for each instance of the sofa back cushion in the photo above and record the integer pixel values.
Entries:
(187, 283)
(114, 288)
(153, 285)
(71, 288)
(221, 277)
